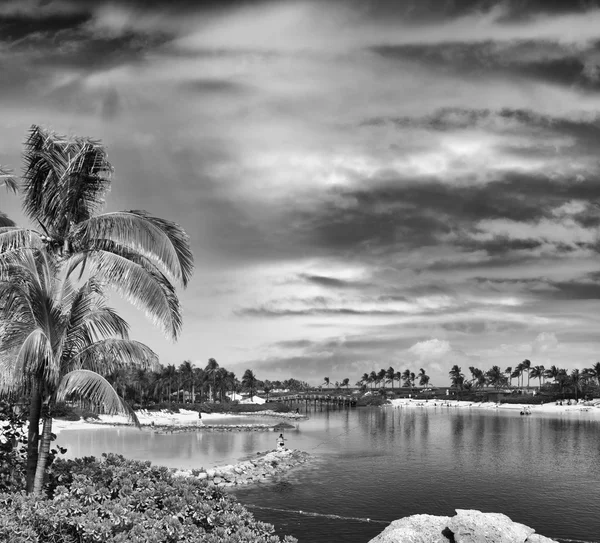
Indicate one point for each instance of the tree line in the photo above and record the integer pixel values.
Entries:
(187, 383)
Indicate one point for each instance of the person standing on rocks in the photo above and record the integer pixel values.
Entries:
(280, 442)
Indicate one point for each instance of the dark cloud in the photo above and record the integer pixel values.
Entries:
(219, 86)
(313, 311)
(522, 60)
(332, 282)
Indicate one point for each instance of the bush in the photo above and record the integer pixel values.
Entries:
(13, 447)
(121, 501)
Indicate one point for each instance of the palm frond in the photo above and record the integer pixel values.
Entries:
(5, 221)
(14, 238)
(140, 282)
(108, 355)
(35, 356)
(95, 388)
(157, 239)
(7, 179)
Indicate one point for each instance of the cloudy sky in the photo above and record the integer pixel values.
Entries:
(366, 183)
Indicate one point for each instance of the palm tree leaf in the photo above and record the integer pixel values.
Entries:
(35, 356)
(95, 388)
(108, 355)
(139, 281)
(14, 238)
(7, 179)
(5, 221)
(157, 239)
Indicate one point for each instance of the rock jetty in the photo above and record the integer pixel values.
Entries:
(260, 469)
(467, 526)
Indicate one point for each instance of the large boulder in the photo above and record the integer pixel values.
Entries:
(415, 529)
(467, 526)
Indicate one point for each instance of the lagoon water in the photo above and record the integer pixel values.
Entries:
(385, 463)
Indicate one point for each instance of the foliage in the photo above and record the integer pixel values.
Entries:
(13, 447)
(120, 501)
(63, 411)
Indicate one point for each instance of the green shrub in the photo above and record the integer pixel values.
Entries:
(119, 501)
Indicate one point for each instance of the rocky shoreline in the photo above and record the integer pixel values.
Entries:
(467, 526)
(264, 467)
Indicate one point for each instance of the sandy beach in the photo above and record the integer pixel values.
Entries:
(184, 418)
(592, 407)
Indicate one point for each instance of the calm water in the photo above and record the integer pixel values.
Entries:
(387, 463)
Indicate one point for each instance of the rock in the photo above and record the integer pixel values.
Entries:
(470, 526)
(467, 526)
(415, 529)
(537, 538)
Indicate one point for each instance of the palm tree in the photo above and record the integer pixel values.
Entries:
(423, 378)
(457, 378)
(537, 372)
(58, 339)
(211, 371)
(249, 381)
(552, 373)
(406, 378)
(381, 376)
(346, 383)
(594, 372)
(326, 382)
(390, 375)
(525, 367)
(495, 377)
(365, 379)
(509, 373)
(577, 379)
(186, 370)
(64, 185)
(372, 378)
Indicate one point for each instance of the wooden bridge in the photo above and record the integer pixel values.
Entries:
(319, 399)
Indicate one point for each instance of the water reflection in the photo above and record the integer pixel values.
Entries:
(388, 463)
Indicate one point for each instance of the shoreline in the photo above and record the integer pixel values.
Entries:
(183, 421)
(551, 408)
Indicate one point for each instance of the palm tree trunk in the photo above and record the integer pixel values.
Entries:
(40, 471)
(33, 434)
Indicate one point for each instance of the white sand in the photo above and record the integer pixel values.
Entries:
(592, 407)
(146, 418)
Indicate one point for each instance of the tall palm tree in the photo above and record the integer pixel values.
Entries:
(525, 367)
(58, 339)
(381, 376)
(390, 375)
(346, 382)
(509, 373)
(423, 378)
(249, 381)
(495, 377)
(577, 380)
(325, 381)
(365, 379)
(406, 378)
(552, 373)
(594, 373)
(537, 372)
(211, 370)
(140, 256)
(457, 378)
(186, 370)
(372, 378)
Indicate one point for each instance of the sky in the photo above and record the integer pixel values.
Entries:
(365, 184)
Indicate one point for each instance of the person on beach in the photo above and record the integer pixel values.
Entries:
(280, 442)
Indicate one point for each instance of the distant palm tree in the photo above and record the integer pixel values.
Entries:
(525, 367)
(509, 373)
(249, 381)
(423, 378)
(457, 379)
(326, 382)
(495, 377)
(186, 370)
(211, 370)
(577, 380)
(552, 373)
(346, 383)
(390, 375)
(537, 372)
(372, 378)
(365, 379)
(406, 378)
(594, 373)
(381, 377)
